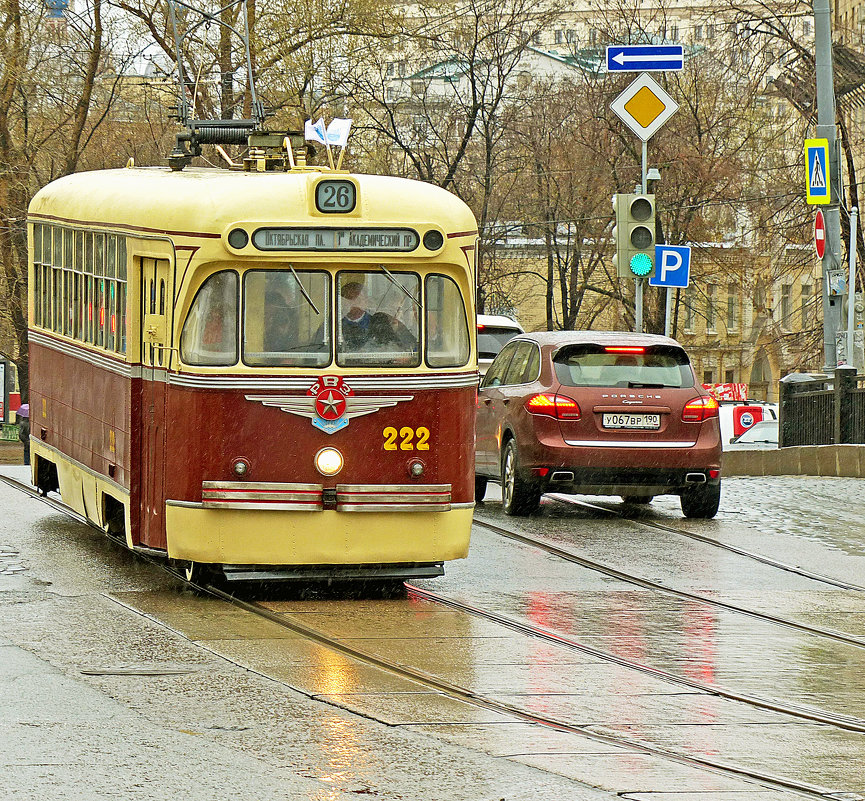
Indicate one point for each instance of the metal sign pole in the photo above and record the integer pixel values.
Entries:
(668, 313)
(826, 130)
(851, 288)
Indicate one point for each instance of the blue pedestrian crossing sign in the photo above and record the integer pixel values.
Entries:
(817, 179)
(672, 266)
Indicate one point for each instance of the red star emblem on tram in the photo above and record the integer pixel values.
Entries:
(330, 393)
(330, 403)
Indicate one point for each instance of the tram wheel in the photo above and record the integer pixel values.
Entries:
(519, 497)
(480, 488)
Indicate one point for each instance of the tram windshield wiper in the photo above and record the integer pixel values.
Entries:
(396, 283)
(303, 290)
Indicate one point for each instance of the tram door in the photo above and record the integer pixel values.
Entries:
(157, 303)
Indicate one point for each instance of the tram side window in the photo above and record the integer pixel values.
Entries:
(286, 318)
(209, 334)
(379, 319)
(80, 284)
(447, 335)
(37, 274)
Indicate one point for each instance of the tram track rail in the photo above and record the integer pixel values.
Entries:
(458, 692)
(548, 721)
(692, 535)
(656, 586)
(846, 722)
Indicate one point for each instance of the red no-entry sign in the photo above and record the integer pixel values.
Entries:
(819, 234)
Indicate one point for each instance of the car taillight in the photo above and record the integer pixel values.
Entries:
(700, 409)
(559, 406)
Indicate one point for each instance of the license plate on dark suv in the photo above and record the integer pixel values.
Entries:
(619, 420)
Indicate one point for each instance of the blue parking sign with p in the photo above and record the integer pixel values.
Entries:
(672, 266)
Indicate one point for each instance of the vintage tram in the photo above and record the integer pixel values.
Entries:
(268, 373)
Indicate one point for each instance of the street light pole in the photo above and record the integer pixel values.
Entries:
(826, 130)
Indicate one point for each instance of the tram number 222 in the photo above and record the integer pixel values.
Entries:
(406, 437)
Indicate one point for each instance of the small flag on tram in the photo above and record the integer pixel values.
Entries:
(337, 132)
(316, 131)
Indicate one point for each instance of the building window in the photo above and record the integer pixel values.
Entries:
(710, 31)
(698, 32)
(786, 304)
(559, 37)
(806, 27)
(674, 33)
(536, 39)
(732, 308)
(729, 376)
(688, 300)
(807, 307)
(593, 36)
(571, 36)
(710, 307)
(708, 376)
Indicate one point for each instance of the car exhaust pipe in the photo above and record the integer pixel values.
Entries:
(562, 475)
(695, 478)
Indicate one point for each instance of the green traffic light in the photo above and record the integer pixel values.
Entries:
(641, 264)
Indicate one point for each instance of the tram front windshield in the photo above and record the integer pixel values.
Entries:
(309, 318)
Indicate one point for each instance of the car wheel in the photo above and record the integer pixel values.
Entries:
(640, 499)
(480, 488)
(519, 497)
(701, 501)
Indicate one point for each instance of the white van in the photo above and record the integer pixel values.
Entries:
(494, 331)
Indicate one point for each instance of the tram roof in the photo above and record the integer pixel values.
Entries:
(210, 199)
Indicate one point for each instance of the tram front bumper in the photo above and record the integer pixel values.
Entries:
(328, 537)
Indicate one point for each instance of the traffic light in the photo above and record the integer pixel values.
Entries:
(634, 235)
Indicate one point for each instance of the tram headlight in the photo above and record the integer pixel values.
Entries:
(238, 238)
(328, 461)
(433, 240)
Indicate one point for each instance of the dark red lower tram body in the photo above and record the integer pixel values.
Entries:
(222, 469)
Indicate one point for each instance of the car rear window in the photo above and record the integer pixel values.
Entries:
(491, 339)
(611, 366)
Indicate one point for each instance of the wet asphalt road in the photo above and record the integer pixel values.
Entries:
(241, 702)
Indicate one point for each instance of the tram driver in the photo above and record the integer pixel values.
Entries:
(356, 318)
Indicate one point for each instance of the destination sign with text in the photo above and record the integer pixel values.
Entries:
(336, 239)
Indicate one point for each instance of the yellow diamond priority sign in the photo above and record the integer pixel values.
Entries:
(644, 106)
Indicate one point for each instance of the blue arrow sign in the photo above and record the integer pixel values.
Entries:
(645, 58)
(672, 266)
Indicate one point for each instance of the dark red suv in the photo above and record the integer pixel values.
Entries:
(601, 413)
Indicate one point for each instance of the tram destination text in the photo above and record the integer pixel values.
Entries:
(336, 239)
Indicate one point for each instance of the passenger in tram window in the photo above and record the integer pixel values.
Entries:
(381, 332)
(279, 328)
(356, 318)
